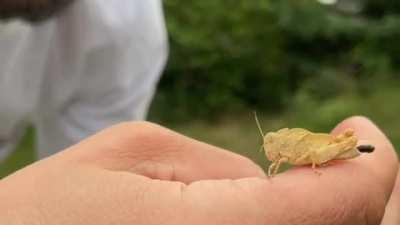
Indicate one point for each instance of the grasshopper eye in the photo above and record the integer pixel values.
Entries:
(366, 148)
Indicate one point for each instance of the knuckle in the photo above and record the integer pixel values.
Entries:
(354, 121)
(145, 138)
(358, 119)
(135, 126)
(137, 130)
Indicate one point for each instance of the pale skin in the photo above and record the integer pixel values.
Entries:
(392, 214)
(143, 174)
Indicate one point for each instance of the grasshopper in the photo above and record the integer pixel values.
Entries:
(300, 147)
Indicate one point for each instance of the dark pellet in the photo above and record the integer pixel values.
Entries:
(366, 148)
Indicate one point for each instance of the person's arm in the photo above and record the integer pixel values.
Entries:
(108, 57)
(140, 173)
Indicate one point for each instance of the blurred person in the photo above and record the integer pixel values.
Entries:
(73, 67)
(156, 176)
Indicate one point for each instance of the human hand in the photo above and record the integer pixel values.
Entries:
(392, 213)
(140, 173)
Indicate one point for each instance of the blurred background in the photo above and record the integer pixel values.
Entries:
(298, 63)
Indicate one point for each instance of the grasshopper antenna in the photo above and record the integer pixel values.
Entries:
(259, 129)
(258, 125)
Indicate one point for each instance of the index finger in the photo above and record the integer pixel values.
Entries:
(351, 192)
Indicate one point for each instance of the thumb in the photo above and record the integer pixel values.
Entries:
(156, 152)
(352, 192)
(392, 212)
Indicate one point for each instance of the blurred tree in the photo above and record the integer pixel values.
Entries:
(224, 55)
(233, 54)
(379, 8)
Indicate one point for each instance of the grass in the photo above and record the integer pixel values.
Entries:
(23, 155)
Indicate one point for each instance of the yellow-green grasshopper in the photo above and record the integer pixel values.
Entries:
(300, 147)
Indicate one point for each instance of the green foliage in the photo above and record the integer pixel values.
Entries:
(327, 85)
(224, 55)
(378, 8)
(379, 103)
(314, 65)
(236, 54)
(22, 156)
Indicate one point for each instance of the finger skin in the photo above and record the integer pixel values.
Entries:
(80, 191)
(384, 161)
(159, 153)
(392, 213)
(349, 192)
(87, 196)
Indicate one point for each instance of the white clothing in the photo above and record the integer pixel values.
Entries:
(94, 65)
